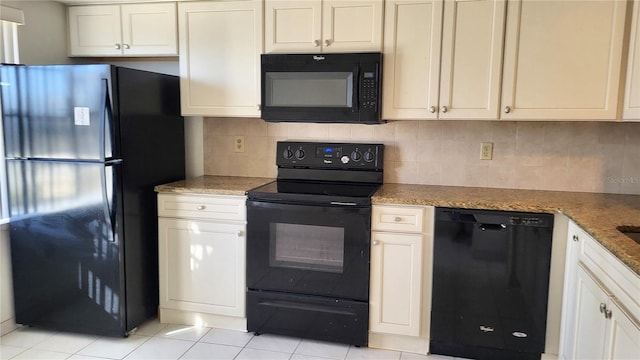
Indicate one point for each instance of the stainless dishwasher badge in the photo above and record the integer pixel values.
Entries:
(486, 328)
(81, 116)
(318, 58)
(519, 334)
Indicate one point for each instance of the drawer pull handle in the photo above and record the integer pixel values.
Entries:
(201, 207)
(397, 219)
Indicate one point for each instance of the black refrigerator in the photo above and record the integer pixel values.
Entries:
(84, 147)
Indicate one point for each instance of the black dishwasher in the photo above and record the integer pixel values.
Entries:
(490, 283)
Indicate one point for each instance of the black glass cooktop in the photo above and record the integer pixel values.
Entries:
(314, 192)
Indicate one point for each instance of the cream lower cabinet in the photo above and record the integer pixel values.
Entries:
(563, 59)
(601, 303)
(399, 299)
(443, 60)
(631, 109)
(220, 47)
(147, 29)
(314, 26)
(202, 260)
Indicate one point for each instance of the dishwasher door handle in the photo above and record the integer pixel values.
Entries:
(494, 227)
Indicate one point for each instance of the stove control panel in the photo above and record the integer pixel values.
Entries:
(330, 155)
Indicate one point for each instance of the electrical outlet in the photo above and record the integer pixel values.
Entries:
(238, 144)
(486, 151)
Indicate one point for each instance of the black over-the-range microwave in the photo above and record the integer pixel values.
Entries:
(323, 88)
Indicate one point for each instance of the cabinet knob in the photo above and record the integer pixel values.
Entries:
(576, 238)
(258, 107)
(397, 219)
(316, 43)
(444, 109)
(376, 242)
(432, 109)
(239, 233)
(507, 109)
(117, 46)
(126, 46)
(201, 207)
(603, 307)
(327, 42)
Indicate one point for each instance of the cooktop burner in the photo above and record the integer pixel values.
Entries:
(314, 191)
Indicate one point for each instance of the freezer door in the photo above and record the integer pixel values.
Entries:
(58, 112)
(65, 245)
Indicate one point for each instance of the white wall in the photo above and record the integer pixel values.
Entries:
(43, 37)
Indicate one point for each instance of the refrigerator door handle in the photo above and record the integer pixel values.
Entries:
(108, 193)
(106, 123)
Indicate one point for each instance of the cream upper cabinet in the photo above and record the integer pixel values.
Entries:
(562, 59)
(411, 66)
(147, 29)
(443, 60)
(632, 92)
(220, 47)
(323, 26)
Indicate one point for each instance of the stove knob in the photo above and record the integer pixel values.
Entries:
(356, 155)
(345, 159)
(288, 154)
(369, 156)
(299, 154)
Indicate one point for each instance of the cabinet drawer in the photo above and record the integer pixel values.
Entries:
(396, 218)
(218, 207)
(623, 283)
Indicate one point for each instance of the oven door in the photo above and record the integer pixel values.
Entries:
(309, 249)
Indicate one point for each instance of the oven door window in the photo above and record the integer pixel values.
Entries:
(309, 89)
(321, 250)
(308, 249)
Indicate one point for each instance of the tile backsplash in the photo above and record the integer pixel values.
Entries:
(565, 156)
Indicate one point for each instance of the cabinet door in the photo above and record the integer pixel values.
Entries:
(562, 59)
(202, 266)
(471, 68)
(352, 25)
(149, 29)
(396, 283)
(590, 333)
(220, 47)
(293, 26)
(95, 30)
(632, 91)
(412, 38)
(624, 339)
(576, 238)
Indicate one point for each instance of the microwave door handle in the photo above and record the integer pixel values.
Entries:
(356, 89)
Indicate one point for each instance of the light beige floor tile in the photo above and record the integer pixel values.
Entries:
(158, 348)
(183, 332)
(206, 351)
(66, 342)
(322, 349)
(33, 354)
(257, 354)
(113, 348)
(274, 343)
(227, 337)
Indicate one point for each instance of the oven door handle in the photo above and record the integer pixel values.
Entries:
(303, 306)
(340, 203)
